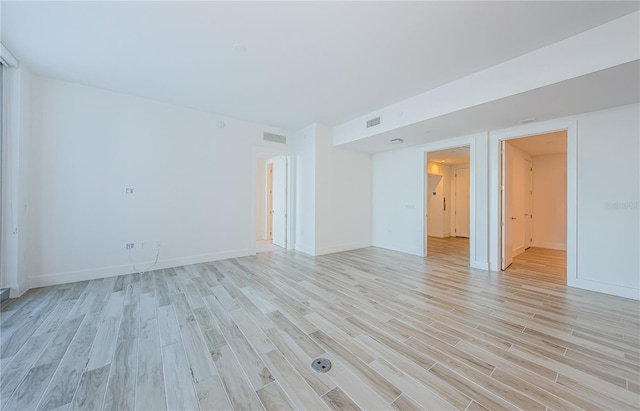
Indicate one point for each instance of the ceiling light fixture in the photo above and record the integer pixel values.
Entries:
(527, 120)
(396, 141)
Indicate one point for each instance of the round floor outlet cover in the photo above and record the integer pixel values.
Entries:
(321, 365)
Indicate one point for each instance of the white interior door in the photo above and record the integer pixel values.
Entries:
(517, 189)
(528, 204)
(507, 203)
(462, 202)
(269, 201)
(279, 201)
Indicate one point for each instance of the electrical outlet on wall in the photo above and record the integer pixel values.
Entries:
(130, 246)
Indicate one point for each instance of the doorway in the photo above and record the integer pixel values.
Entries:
(448, 205)
(272, 202)
(534, 206)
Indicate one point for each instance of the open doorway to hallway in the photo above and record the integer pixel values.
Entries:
(534, 206)
(271, 202)
(447, 204)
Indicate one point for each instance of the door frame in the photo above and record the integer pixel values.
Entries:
(467, 141)
(506, 224)
(495, 183)
(265, 153)
(270, 162)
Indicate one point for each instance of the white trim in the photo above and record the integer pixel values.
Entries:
(571, 126)
(620, 291)
(470, 141)
(7, 58)
(13, 135)
(288, 152)
(104, 272)
(23, 287)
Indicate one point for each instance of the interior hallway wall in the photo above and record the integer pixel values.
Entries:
(608, 198)
(439, 217)
(550, 201)
(334, 194)
(399, 197)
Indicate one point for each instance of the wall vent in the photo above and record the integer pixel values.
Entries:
(275, 138)
(373, 122)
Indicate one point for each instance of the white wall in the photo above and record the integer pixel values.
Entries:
(399, 197)
(608, 198)
(603, 255)
(343, 196)
(602, 211)
(194, 183)
(550, 201)
(435, 209)
(305, 227)
(334, 194)
(398, 201)
(439, 219)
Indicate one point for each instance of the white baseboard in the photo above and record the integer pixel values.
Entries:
(412, 251)
(23, 287)
(340, 248)
(518, 251)
(112, 271)
(480, 265)
(612, 289)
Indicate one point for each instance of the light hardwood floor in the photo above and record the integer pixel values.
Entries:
(542, 263)
(538, 263)
(402, 332)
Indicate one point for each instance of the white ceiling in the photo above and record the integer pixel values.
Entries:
(286, 64)
(451, 156)
(542, 144)
(600, 90)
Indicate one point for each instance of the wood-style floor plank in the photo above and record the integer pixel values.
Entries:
(90, 392)
(180, 390)
(403, 332)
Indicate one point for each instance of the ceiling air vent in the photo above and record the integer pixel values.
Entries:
(373, 122)
(275, 138)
